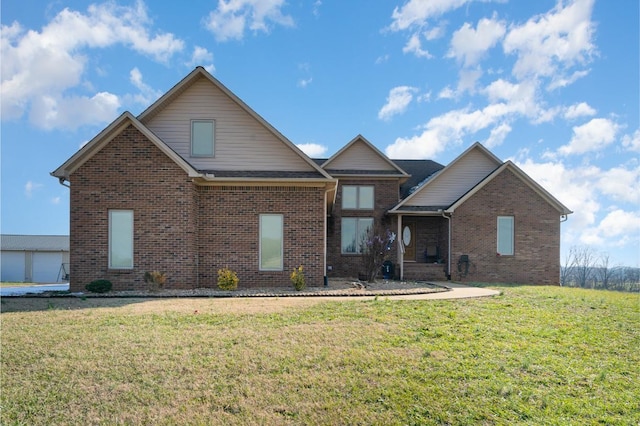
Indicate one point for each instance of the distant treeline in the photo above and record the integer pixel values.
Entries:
(583, 267)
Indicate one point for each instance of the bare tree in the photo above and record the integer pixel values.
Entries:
(584, 260)
(567, 269)
(603, 271)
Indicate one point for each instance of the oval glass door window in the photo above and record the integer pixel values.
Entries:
(406, 235)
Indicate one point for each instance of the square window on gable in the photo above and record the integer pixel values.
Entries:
(202, 138)
(357, 197)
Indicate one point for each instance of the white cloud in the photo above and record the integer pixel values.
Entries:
(56, 200)
(578, 110)
(549, 44)
(232, 17)
(414, 46)
(382, 59)
(39, 68)
(397, 102)
(498, 135)
(632, 142)
(447, 93)
(415, 13)
(304, 82)
(592, 136)
(561, 81)
(313, 150)
(618, 228)
(436, 32)
(147, 95)
(468, 45)
(30, 187)
(202, 57)
(72, 111)
(621, 183)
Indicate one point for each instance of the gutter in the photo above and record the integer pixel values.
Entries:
(61, 182)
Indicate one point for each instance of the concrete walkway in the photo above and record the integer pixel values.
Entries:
(458, 291)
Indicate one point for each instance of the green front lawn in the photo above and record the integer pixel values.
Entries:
(533, 355)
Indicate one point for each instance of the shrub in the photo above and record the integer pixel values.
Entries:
(99, 286)
(155, 277)
(227, 279)
(297, 278)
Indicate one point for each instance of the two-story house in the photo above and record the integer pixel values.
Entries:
(199, 181)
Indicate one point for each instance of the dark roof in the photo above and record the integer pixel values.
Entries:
(362, 172)
(419, 170)
(276, 174)
(422, 208)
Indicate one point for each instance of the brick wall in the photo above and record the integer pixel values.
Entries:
(229, 233)
(132, 173)
(386, 196)
(536, 258)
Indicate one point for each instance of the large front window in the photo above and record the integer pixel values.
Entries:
(505, 235)
(357, 197)
(271, 242)
(354, 232)
(121, 239)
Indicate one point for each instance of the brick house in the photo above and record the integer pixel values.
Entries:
(200, 181)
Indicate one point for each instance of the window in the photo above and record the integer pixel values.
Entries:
(354, 231)
(121, 239)
(357, 197)
(202, 138)
(271, 242)
(505, 235)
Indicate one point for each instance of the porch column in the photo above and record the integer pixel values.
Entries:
(400, 247)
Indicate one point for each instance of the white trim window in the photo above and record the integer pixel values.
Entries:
(357, 197)
(120, 239)
(506, 233)
(354, 231)
(271, 242)
(202, 138)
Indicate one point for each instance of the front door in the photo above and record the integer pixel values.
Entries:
(409, 241)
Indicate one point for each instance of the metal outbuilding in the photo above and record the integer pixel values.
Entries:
(34, 258)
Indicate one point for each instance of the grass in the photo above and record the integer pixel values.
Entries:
(533, 355)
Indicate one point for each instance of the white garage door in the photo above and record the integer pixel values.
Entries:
(46, 267)
(12, 266)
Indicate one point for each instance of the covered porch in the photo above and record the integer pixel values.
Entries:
(423, 246)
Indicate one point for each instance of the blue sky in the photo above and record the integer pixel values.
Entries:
(551, 85)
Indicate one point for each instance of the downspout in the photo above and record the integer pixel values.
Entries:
(324, 236)
(448, 245)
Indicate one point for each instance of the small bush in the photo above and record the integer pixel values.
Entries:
(99, 286)
(227, 279)
(297, 278)
(155, 277)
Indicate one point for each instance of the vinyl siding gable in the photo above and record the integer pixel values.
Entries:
(241, 142)
(359, 156)
(454, 181)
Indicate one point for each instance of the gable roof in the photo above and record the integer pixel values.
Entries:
(360, 157)
(536, 187)
(105, 136)
(448, 184)
(200, 73)
(34, 242)
(419, 170)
